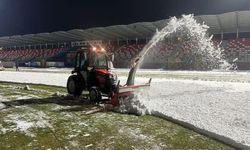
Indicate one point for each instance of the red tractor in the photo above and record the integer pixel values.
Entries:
(93, 73)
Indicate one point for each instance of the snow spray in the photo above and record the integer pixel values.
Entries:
(200, 44)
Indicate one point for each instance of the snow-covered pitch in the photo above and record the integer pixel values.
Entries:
(222, 108)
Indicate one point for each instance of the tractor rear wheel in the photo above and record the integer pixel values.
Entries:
(95, 95)
(74, 86)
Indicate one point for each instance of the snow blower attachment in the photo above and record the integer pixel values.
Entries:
(93, 73)
(129, 89)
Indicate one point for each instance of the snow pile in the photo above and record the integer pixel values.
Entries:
(25, 121)
(217, 107)
(23, 97)
(23, 125)
(2, 106)
(132, 104)
(58, 79)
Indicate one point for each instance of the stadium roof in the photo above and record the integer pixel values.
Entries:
(226, 23)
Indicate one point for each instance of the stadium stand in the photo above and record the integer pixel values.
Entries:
(234, 48)
(126, 41)
(28, 54)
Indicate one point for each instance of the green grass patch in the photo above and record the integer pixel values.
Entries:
(45, 122)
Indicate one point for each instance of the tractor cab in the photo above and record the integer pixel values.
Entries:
(92, 72)
(93, 58)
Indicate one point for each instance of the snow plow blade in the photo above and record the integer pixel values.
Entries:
(126, 91)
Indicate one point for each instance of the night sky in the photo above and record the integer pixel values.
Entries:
(35, 16)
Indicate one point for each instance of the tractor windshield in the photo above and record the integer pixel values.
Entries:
(99, 60)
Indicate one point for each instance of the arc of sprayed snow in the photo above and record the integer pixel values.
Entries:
(158, 36)
(138, 60)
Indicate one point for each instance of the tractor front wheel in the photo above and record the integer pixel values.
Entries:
(95, 95)
(74, 86)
